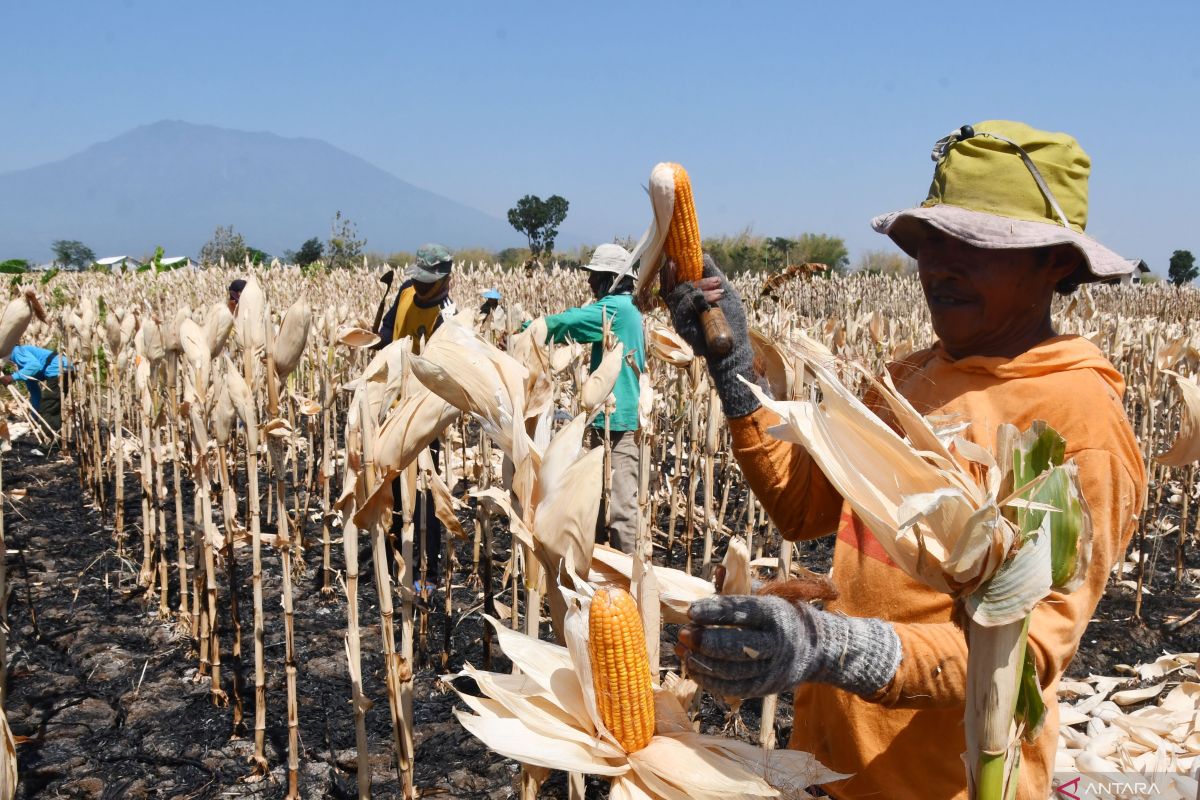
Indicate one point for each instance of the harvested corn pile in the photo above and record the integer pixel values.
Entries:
(1144, 722)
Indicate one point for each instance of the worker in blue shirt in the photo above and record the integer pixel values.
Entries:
(42, 371)
(585, 324)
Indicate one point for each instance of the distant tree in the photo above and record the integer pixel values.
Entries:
(14, 266)
(780, 248)
(73, 254)
(1183, 269)
(539, 219)
(821, 248)
(513, 257)
(258, 257)
(344, 247)
(310, 251)
(739, 253)
(473, 255)
(885, 262)
(225, 243)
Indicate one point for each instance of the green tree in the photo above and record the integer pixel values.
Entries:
(513, 257)
(344, 247)
(258, 257)
(821, 248)
(539, 219)
(310, 251)
(885, 262)
(780, 250)
(1183, 269)
(225, 243)
(73, 254)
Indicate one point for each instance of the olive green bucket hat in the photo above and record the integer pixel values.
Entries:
(1005, 185)
(434, 262)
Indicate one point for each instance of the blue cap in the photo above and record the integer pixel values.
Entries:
(490, 294)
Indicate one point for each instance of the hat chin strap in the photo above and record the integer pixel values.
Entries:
(966, 132)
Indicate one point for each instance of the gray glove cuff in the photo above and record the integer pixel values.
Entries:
(860, 655)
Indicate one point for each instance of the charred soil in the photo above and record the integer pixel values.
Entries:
(106, 699)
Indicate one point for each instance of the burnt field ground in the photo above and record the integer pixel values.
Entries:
(104, 699)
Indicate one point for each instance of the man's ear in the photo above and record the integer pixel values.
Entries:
(1062, 262)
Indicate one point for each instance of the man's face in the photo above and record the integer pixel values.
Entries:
(234, 297)
(426, 291)
(595, 281)
(988, 302)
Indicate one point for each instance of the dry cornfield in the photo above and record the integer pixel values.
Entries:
(239, 470)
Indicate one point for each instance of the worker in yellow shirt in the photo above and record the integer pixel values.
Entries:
(417, 310)
(417, 313)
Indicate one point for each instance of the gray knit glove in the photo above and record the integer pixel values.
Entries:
(685, 302)
(753, 646)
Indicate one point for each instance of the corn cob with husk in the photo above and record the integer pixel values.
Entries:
(17, 315)
(636, 734)
(675, 232)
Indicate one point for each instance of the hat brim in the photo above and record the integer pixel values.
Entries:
(424, 275)
(613, 269)
(994, 232)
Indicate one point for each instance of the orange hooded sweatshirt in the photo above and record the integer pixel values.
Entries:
(907, 741)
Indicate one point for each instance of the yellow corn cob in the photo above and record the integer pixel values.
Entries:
(683, 237)
(621, 668)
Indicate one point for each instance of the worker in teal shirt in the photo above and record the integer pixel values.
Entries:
(41, 370)
(585, 325)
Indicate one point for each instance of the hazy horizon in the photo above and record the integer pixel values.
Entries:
(790, 119)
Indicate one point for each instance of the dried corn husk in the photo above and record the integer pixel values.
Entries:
(475, 377)
(218, 322)
(354, 336)
(646, 257)
(250, 321)
(224, 415)
(737, 568)
(677, 589)
(243, 401)
(16, 318)
(666, 345)
(409, 428)
(170, 332)
(195, 347)
(1186, 448)
(293, 333)
(599, 385)
(8, 770)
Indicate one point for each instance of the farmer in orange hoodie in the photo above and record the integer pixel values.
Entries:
(880, 675)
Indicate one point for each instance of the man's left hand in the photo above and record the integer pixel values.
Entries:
(756, 645)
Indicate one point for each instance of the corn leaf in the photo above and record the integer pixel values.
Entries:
(1031, 706)
(1017, 586)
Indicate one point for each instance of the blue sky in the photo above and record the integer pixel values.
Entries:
(790, 116)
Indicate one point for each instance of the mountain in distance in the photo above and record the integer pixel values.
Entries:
(171, 183)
